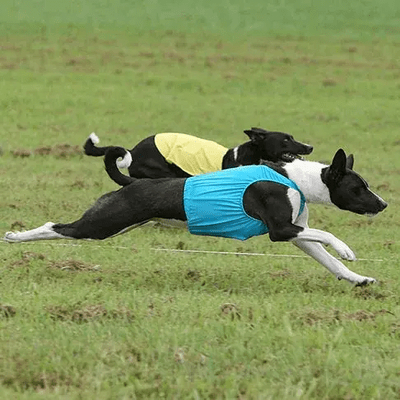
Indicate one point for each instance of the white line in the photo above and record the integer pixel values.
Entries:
(225, 253)
(250, 254)
(229, 253)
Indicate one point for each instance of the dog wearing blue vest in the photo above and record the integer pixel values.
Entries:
(236, 203)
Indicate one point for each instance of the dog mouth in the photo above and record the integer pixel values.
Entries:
(289, 157)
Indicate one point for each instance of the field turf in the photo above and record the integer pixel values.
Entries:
(128, 319)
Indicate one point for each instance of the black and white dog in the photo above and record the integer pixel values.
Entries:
(177, 155)
(267, 201)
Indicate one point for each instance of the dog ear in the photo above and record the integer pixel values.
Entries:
(338, 166)
(350, 161)
(256, 134)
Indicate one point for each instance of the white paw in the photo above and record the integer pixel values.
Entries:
(11, 237)
(365, 281)
(345, 252)
(356, 279)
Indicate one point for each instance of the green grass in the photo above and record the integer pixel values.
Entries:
(117, 319)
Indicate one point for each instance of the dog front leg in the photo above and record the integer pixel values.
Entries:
(316, 235)
(316, 251)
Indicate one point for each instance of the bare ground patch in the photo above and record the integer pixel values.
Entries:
(368, 292)
(7, 311)
(26, 258)
(74, 266)
(314, 317)
(88, 313)
(23, 377)
(230, 310)
(58, 151)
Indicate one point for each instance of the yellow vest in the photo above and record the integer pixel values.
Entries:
(193, 155)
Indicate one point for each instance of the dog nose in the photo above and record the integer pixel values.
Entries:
(383, 205)
(310, 149)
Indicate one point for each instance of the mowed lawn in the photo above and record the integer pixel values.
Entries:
(128, 318)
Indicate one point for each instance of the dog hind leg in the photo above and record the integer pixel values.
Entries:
(116, 212)
(43, 232)
(111, 214)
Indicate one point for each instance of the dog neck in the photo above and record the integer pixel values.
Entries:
(246, 153)
(308, 177)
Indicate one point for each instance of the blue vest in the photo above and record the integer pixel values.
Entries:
(213, 202)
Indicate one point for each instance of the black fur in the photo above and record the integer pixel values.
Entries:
(348, 190)
(145, 199)
(265, 145)
(131, 205)
(148, 162)
(270, 202)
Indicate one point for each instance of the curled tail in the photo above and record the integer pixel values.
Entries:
(90, 146)
(112, 164)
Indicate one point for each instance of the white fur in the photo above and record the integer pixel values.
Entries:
(309, 240)
(94, 138)
(43, 232)
(307, 175)
(295, 200)
(126, 161)
(235, 153)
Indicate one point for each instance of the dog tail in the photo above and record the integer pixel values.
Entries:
(90, 147)
(112, 165)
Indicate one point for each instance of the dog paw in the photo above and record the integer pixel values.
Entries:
(11, 237)
(366, 281)
(345, 252)
(356, 279)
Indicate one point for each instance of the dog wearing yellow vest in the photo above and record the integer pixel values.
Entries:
(178, 155)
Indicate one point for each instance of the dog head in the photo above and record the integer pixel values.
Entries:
(277, 146)
(347, 189)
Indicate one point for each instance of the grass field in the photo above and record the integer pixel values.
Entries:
(121, 319)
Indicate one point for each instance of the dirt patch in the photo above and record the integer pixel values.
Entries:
(74, 266)
(58, 151)
(88, 313)
(329, 82)
(26, 258)
(193, 275)
(7, 311)
(180, 245)
(79, 184)
(230, 309)
(284, 273)
(21, 375)
(363, 315)
(17, 225)
(367, 293)
(179, 355)
(314, 317)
